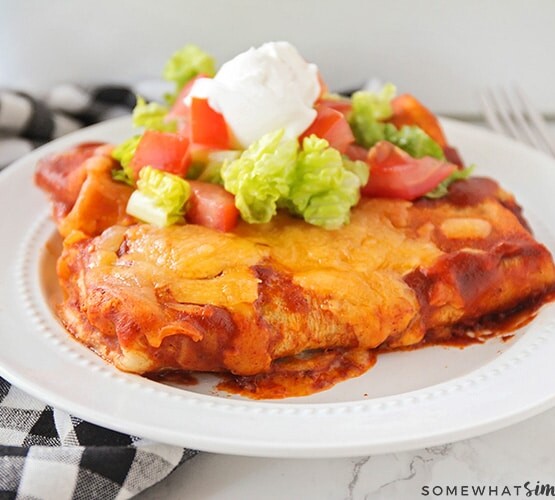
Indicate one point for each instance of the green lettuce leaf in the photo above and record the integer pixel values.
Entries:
(261, 176)
(366, 120)
(442, 188)
(323, 189)
(414, 141)
(212, 170)
(124, 154)
(359, 168)
(369, 110)
(185, 64)
(160, 197)
(315, 183)
(152, 116)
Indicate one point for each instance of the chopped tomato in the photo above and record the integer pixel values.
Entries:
(357, 152)
(206, 126)
(395, 174)
(331, 125)
(179, 108)
(210, 205)
(343, 105)
(407, 110)
(162, 150)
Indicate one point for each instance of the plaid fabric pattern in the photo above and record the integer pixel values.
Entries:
(27, 121)
(44, 452)
(47, 454)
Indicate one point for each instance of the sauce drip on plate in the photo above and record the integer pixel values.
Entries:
(301, 375)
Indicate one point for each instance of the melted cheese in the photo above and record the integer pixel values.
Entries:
(201, 266)
(369, 243)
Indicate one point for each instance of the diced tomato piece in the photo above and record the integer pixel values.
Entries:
(162, 150)
(344, 106)
(395, 174)
(407, 110)
(207, 127)
(357, 152)
(210, 205)
(203, 125)
(331, 125)
(179, 108)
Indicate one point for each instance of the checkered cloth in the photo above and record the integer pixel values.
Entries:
(27, 121)
(44, 452)
(47, 454)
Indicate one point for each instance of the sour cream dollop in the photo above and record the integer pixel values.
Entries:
(262, 90)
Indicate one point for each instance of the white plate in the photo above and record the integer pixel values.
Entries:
(408, 400)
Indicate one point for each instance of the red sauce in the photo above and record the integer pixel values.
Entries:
(62, 175)
(470, 192)
(478, 331)
(316, 371)
(294, 297)
(474, 278)
(301, 375)
(173, 377)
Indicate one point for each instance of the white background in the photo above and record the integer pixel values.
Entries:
(445, 52)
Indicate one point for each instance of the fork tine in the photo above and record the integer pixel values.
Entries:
(537, 120)
(489, 111)
(511, 113)
(518, 111)
(500, 105)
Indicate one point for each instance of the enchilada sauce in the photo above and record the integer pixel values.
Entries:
(302, 375)
(460, 283)
(320, 370)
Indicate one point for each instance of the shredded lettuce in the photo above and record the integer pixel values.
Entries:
(124, 154)
(261, 176)
(442, 188)
(315, 183)
(369, 110)
(185, 64)
(152, 116)
(160, 197)
(359, 168)
(212, 170)
(323, 190)
(415, 142)
(366, 120)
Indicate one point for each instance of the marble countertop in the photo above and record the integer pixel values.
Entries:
(508, 463)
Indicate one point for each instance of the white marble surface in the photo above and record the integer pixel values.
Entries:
(510, 458)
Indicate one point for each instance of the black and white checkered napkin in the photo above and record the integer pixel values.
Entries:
(28, 121)
(44, 452)
(47, 454)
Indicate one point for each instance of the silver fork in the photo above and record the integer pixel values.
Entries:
(509, 111)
